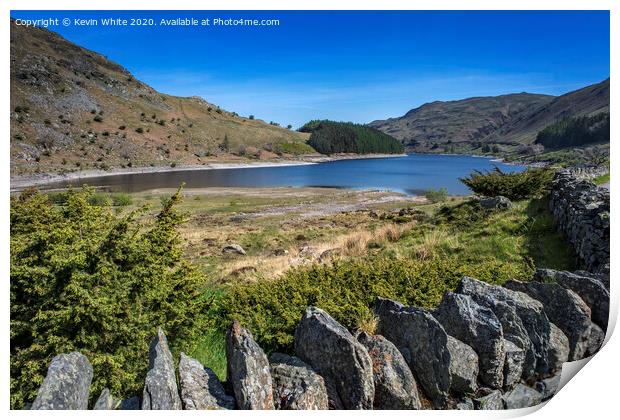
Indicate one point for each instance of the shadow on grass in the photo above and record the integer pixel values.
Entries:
(546, 246)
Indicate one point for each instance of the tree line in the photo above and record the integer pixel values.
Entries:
(329, 137)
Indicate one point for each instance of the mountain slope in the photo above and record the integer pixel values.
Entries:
(507, 122)
(587, 101)
(463, 121)
(74, 109)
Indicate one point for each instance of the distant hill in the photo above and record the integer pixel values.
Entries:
(73, 109)
(490, 124)
(329, 137)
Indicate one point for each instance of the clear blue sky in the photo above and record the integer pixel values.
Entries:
(354, 66)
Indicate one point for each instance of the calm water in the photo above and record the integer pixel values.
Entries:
(411, 174)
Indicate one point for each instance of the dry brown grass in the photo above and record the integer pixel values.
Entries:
(432, 241)
(391, 232)
(368, 323)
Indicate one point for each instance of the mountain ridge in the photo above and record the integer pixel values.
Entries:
(506, 121)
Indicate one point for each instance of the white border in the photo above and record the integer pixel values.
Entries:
(592, 395)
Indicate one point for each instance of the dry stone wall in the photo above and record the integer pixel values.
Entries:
(581, 212)
(484, 347)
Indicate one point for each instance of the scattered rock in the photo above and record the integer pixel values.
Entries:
(422, 341)
(523, 319)
(478, 327)
(463, 367)
(328, 254)
(296, 386)
(395, 386)
(496, 203)
(248, 370)
(338, 357)
(160, 385)
(200, 387)
(132, 403)
(233, 249)
(491, 401)
(521, 397)
(565, 309)
(559, 348)
(105, 401)
(590, 289)
(66, 385)
(308, 252)
(513, 367)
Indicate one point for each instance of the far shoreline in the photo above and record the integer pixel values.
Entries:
(21, 182)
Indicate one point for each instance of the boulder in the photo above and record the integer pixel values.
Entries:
(105, 401)
(132, 403)
(521, 396)
(233, 249)
(395, 386)
(559, 348)
(513, 366)
(465, 404)
(478, 327)
(565, 309)
(248, 370)
(160, 386)
(523, 320)
(495, 203)
(296, 386)
(200, 387)
(66, 385)
(491, 401)
(422, 341)
(463, 367)
(548, 387)
(595, 341)
(338, 357)
(590, 289)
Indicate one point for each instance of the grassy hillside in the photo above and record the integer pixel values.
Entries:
(73, 109)
(331, 137)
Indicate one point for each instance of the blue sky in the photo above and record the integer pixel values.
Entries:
(354, 66)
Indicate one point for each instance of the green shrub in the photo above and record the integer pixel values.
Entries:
(272, 309)
(437, 196)
(139, 130)
(98, 118)
(84, 279)
(99, 199)
(531, 183)
(121, 199)
(58, 198)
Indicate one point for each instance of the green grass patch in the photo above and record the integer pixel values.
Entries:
(603, 179)
(293, 148)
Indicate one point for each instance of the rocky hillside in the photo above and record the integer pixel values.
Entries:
(490, 124)
(74, 109)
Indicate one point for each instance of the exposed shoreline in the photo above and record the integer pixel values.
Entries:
(21, 182)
